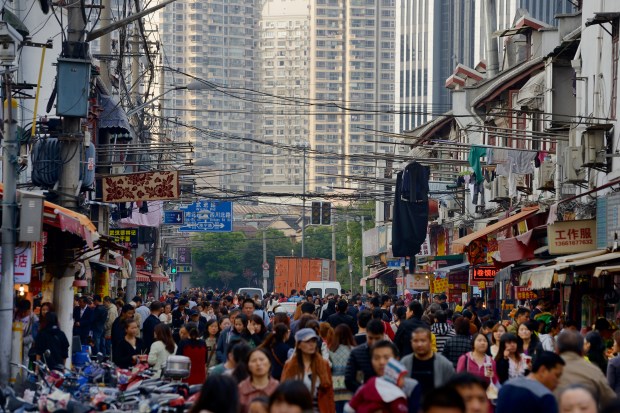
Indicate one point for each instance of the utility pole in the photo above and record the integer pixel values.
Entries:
(72, 140)
(349, 257)
(303, 208)
(265, 271)
(135, 78)
(363, 257)
(333, 235)
(9, 206)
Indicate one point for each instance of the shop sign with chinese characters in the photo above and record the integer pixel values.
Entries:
(482, 274)
(569, 237)
(23, 265)
(525, 293)
(125, 236)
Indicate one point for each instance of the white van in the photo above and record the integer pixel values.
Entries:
(251, 292)
(323, 288)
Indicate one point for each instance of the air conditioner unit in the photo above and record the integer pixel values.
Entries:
(524, 183)
(443, 215)
(546, 176)
(499, 192)
(573, 165)
(593, 144)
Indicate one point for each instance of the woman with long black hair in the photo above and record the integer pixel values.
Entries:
(196, 350)
(219, 394)
(52, 338)
(162, 348)
(127, 350)
(277, 347)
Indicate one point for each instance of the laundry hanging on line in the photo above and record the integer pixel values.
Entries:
(410, 222)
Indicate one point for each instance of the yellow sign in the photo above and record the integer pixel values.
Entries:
(482, 285)
(569, 237)
(441, 285)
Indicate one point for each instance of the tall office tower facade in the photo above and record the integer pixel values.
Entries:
(433, 36)
(284, 44)
(215, 40)
(351, 56)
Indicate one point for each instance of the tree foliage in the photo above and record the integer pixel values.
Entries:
(234, 260)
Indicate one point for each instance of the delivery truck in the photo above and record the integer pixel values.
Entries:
(293, 273)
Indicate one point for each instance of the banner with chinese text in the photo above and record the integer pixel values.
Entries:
(569, 237)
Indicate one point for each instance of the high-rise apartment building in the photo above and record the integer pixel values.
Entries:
(336, 59)
(284, 32)
(433, 36)
(215, 40)
(352, 70)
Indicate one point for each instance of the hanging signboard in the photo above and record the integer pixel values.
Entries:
(23, 265)
(482, 274)
(143, 186)
(524, 293)
(569, 237)
(417, 282)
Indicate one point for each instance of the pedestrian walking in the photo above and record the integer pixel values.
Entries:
(580, 371)
(259, 383)
(277, 347)
(339, 353)
(196, 349)
(613, 367)
(308, 366)
(109, 321)
(478, 362)
(510, 361)
(51, 338)
(431, 370)
(533, 394)
(127, 350)
(161, 349)
(460, 344)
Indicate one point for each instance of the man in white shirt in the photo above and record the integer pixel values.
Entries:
(142, 310)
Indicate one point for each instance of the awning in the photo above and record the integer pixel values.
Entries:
(589, 261)
(460, 244)
(113, 116)
(538, 278)
(610, 269)
(141, 278)
(542, 277)
(537, 261)
(105, 265)
(579, 256)
(452, 268)
(379, 273)
(503, 275)
(532, 93)
(68, 220)
(158, 278)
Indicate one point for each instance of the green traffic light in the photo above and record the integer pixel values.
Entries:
(173, 270)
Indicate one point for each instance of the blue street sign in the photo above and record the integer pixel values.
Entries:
(208, 216)
(174, 217)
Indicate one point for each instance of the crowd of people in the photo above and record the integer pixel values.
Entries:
(372, 353)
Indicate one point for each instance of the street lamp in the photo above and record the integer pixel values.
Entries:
(193, 85)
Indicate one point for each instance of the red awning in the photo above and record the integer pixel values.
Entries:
(142, 278)
(158, 278)
(459, 245)
(68, 220)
